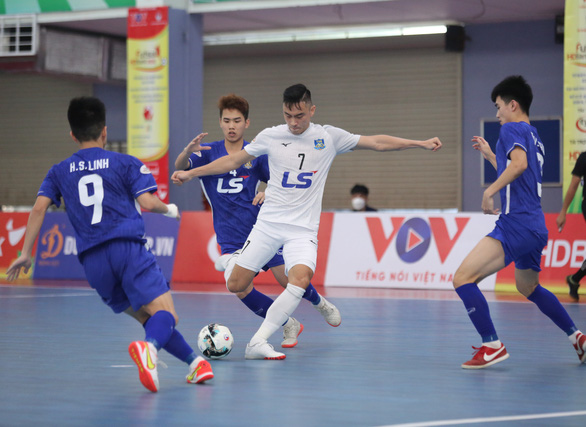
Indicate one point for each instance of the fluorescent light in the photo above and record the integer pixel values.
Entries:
(323, 33)
(422, 30)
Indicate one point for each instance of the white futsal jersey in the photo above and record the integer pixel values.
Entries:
(299, 166)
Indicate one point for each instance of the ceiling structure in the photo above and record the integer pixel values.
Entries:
(262, 15)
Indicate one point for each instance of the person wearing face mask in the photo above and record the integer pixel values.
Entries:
(359, 194)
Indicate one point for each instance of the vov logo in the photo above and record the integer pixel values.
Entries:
(303, 180)
(413, 237)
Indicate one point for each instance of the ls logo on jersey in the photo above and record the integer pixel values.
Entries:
(319, 144)
(303, 180)
(230, 186)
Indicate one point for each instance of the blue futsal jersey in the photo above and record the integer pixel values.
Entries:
(99, 188)
(230, 195)
(521, 199)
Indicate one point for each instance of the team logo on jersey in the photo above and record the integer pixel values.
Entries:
(319, 144)
(145, 170)
(248, 165)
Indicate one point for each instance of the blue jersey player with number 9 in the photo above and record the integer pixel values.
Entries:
(520, 232)
(103, 193)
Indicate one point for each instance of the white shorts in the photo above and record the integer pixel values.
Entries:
(265, 239)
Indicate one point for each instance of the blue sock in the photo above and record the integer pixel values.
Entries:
(178, 347)
(478, 311)
(311, 295)
(552, 308)
(159, 328)
(257, 302)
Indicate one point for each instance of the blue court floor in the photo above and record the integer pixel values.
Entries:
(394, 360)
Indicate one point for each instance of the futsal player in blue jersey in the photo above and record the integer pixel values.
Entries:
(235, 203)
(103, 192)
(520, 233)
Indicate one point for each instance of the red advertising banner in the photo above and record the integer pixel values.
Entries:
(12, 228)
(197, 250)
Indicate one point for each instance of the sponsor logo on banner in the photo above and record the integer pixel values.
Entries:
(417, 251)
(12, 229)
(57, 250)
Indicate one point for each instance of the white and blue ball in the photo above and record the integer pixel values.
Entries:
(215, 341)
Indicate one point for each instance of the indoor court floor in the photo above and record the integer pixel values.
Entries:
(394, 360)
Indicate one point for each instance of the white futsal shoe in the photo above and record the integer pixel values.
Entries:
(262, 350)
(329, 312)
(291, 331)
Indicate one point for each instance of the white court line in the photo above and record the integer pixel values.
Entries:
(491, 419)
(46, 296)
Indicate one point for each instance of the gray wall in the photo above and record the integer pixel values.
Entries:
(114, 98)
(494, 52)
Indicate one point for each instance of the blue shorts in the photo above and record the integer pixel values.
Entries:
(124, 273)
(522, 245)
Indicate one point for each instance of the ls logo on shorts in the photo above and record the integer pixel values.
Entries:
(319, 144)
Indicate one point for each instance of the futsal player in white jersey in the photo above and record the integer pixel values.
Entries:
(520, 233)
(235, 204)
(300, 154)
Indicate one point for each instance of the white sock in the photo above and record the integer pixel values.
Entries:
(229, 267)
(493, 344)
(574, 337)
(279, 312)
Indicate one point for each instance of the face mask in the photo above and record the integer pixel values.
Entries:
(358, 203)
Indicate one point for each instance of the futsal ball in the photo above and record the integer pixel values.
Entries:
(215, 341)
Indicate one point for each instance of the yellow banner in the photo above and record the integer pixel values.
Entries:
(574, 92)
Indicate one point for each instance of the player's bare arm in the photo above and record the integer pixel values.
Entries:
(182, 161)
(481, 145)
(33, 227)
(152, 203)
(570, 193)
(515, 168)
(218, 166)
(394, 143)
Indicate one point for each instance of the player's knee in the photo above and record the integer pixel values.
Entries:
(235, 286)
(526, 289)
(460, 278)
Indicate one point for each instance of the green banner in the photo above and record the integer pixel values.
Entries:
(16, 7)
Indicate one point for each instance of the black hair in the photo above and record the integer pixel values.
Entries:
(233, 102)
(87, 118)
(359, 189)
(295, 95)
(514, 88)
